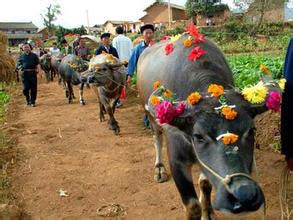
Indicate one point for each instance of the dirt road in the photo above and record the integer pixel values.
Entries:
(64, 146)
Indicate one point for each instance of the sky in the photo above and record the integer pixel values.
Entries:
(74, 11)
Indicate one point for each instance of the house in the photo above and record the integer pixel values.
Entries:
(158, 14)
(219, 16)
(274, 11)
(95, 30)
(44, 32)
(110, 26)
(19, 32)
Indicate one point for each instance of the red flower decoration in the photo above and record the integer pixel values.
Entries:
(165, 38)
(196, 53)
(169, 48)
(193, 31)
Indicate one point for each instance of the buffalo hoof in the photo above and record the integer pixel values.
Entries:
(102, 118)
(117, 131)
(82, 102)
(70, 101)
(160, 174)
(67, 94)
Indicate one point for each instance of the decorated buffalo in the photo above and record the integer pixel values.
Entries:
(107, 76)
(69, 69)
(45, 62)
(187, 90)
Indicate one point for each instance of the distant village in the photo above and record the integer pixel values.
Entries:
(156, 13)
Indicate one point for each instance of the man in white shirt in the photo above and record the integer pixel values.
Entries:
(122, 44)
(54, 51)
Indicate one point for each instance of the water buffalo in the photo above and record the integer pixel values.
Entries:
(45, 62)
(69, 69)
(192, 136)
(107, 76)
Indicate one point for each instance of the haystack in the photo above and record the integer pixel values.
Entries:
(7, 63)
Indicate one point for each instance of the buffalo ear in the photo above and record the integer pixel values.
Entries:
(114, 65)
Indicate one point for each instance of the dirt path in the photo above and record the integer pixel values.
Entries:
(62, 146)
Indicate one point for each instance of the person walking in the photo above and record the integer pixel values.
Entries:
(29, 64)
(147, 32)
(122, 44)
(287, 109)
(81, 50)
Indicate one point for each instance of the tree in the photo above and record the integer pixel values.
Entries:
(50, 16)
(203, 7)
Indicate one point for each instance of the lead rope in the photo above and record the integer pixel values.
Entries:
(227, 179)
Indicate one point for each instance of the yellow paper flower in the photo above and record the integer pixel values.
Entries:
(229, 138)
(255, 94)
(175, 38)
(216, 90)
(229, 113)
(156, 84)
(187, 42)
(264, 69)
(168, 93)
(193, 98)
(282, 83)
(155, 100)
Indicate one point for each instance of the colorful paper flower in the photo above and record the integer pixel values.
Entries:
(169, 48)
(155, 100)
(156, 84)
(273, 101)
(193, 98)
(282, 83)
(168, 93)
(228, 138)
(264, 69)
(229, 113)
(174, 38)
(193, 31)
(216, 90)
(187, 42)
(255, 94)
(166, 112)
(195, 53)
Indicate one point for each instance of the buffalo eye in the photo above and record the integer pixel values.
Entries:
(199, 138)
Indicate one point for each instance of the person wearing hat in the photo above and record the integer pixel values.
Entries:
(287, 109)
(29, 64)
(107, 47)
(147, 32)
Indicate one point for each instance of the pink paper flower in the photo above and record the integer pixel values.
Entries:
(273, 101)
(166, 112)
(196, 53)
(169, 48)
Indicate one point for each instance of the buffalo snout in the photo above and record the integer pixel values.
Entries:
(241, 196)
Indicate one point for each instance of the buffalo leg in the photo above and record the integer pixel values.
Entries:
(81, 100)
(70, 92)
(112, 121)
(101, 106)
(205, 197)
(160, 175)
(181, 158)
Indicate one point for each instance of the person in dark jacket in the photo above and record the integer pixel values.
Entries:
(107, 47)
(287, 109)
(29, 62)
